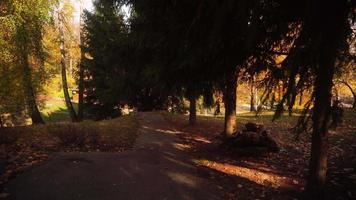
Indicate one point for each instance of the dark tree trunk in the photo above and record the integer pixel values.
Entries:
(337, 96)
(1, 122)
(273, 100)
(81, 92)
(301, 98)
(28, 88)
(192, 109)
(280, 92)
(31, 98)
(253, 95)
(230, 103)
(81, 70)
(328, 33)
(252, 102)
(321, 116)
(291, 91)
(292, 102)
(69, 104)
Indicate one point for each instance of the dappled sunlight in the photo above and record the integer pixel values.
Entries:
(181, 178)
(55, 110)
(268, 169)
(196, 138)
(178, 162)
(202, 139)
(145, 127)
(259, 177)
(182, 147)
(168, 131)
(47, 114)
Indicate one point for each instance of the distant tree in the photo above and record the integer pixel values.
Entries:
(12, 100)
(22, 49)
(23, 53)
(81, 66)
(108, 79)
(61, 21)
(346, 69)
(353, 92)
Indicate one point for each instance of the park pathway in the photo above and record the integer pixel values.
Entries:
(154, 170)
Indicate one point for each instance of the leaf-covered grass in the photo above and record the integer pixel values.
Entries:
(22, 147)
(265, 116)
(283, 124)
(286, 170)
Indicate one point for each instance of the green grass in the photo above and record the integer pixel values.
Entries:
(56, 111)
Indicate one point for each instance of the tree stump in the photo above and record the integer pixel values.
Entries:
(256, 137)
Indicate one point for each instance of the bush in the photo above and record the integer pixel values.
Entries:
(93, 136)
(74, 134)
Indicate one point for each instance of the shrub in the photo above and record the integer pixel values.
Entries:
(75, 135)
(93, 136)
(68, 134)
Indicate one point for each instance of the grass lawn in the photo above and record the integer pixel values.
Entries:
(55, 110)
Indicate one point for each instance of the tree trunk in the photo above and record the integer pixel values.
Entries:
(321, 116)
(280, 92)
(192, 109)
(301, 98)
(326, 40)
(69, 104)
(337, 93)
(252, 102)
(81, 92)
(1, 122)
(81, 69)
(28, 88)
(292, 102)
(31, 98)
(273, 100)
(230, 103)
(253, 95)
(353, 93)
